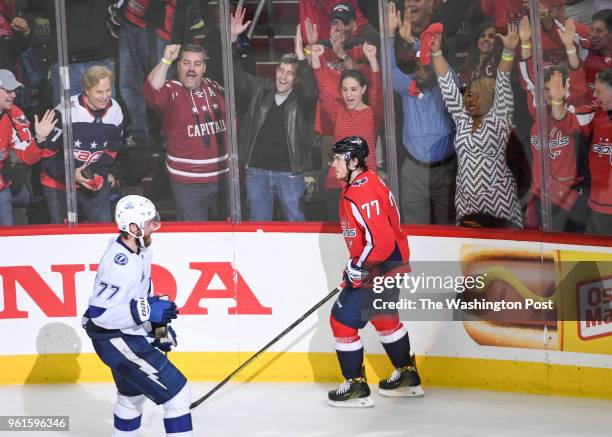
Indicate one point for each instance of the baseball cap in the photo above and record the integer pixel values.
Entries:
(8, 81)
(343, 11)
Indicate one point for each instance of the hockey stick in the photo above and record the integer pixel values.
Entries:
(263, 349)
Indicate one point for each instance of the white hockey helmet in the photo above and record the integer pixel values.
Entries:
(138, 210)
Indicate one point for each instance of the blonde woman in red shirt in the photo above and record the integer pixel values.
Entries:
(352, 113)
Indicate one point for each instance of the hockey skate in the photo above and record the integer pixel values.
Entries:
(403, 382)
(352, 393)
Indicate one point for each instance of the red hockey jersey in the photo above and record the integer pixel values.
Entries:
(194, 124)
(370, 222)
(600, 163)
(15, 135)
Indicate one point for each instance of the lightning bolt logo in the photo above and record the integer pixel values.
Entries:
(125, 350)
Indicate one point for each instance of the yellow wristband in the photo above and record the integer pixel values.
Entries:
(307, 51)
(526, 45)
(166, 61)
(557, 102)
(507, 58)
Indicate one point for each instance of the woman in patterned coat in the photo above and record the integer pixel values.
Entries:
(486, 190)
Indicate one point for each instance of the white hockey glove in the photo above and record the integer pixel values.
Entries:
(354, 276)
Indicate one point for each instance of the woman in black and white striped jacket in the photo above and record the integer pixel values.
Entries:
(486, 190)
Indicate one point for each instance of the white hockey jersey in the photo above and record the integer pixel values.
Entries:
(123, 275)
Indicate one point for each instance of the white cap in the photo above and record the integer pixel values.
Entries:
(8, 81)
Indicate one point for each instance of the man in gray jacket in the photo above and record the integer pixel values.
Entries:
(276, 133)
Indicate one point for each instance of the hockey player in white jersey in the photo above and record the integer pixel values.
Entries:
(122, 319)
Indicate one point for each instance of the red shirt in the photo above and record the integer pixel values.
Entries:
(564, 138)
(364, 122)
(194, 124)
(593, 64)
(15, 135)
(135, 12)
(600, 163)
(370, 221)
(328, 81)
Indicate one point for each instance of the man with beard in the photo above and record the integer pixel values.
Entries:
(193, 118)
(130, 328)
(428, 173)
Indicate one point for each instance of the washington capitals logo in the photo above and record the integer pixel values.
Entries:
(603, 148)
(360, 182)
(556, 142)
(347, 231)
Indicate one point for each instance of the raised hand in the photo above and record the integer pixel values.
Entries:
(237, 24)
(172, 51)
(337, 40)
(45, 125)
(525, 29)
(567, 36)
(298, 47)
(511, 39)
(369, 50)
(317, 50)
(405, 29)
(557, 90)
(394, 18)
(312, 35)
(436, 43)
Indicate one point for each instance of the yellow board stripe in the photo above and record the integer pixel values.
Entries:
(502, 375)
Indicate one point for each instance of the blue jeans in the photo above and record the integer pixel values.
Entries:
(56, 203)
(6, 207)
(139, 51)
(264, 185)
(76, 72)
(94, 206)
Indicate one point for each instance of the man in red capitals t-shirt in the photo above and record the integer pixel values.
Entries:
(193, 119)
(600, 158)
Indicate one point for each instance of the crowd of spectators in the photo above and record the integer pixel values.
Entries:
(465, 93)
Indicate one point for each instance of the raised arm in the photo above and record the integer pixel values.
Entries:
(557, 96)
(567, 36)
(448, 86)
(157, 76)
(510, 40)
(401, 81)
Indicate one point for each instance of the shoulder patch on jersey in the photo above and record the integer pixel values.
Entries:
(121, 259)
(360, 182)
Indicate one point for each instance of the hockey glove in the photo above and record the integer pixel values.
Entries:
(162, 310)
(153, 309)
(354, 276)
(166, 343)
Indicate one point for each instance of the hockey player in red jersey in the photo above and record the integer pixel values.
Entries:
(370, 223)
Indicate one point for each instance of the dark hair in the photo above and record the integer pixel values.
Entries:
(604, 15)
(291, 59)
(358, 76)
(192, 48)
(355, 74)
(548, 72)
(605, 77)
(473, 57)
